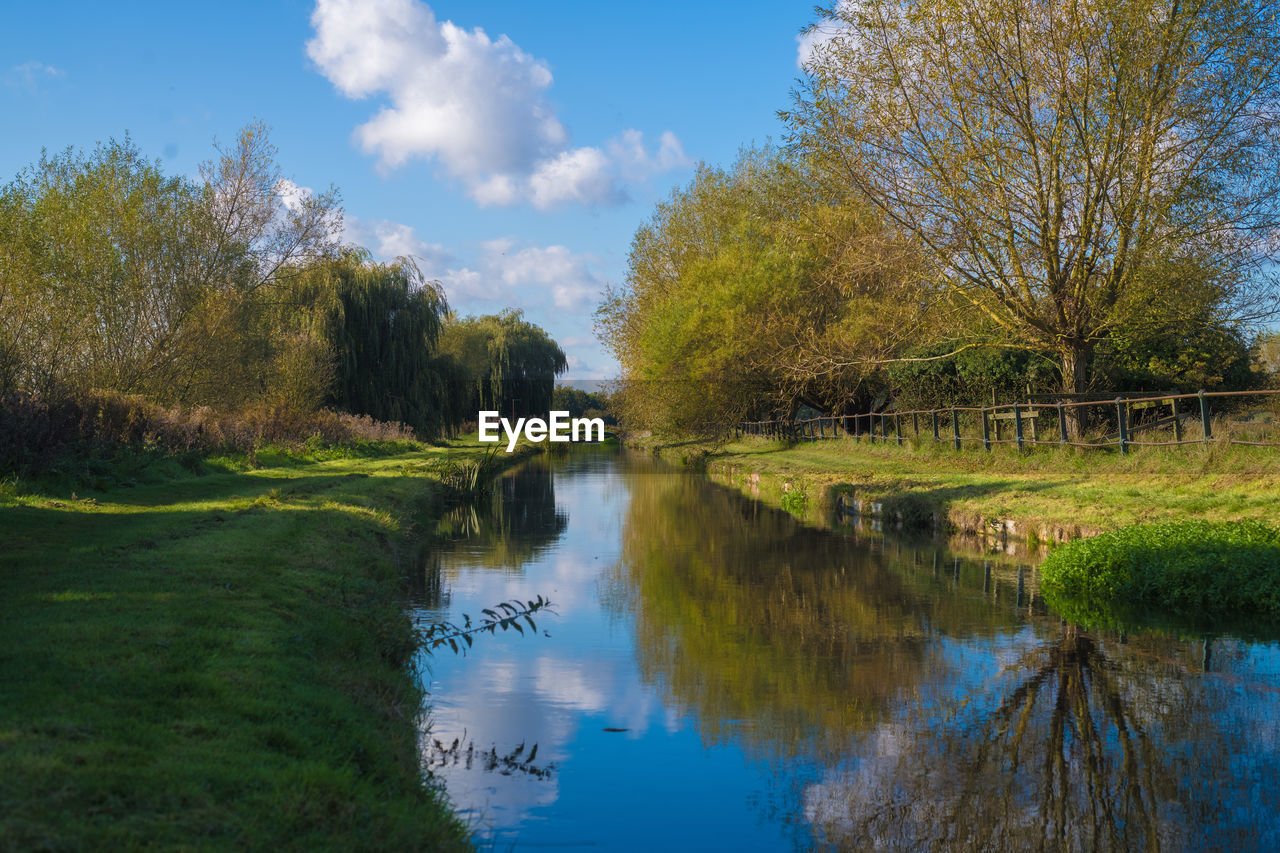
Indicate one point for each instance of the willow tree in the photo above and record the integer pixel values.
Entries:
(379, 324)
(500, 362)
(1046, 154)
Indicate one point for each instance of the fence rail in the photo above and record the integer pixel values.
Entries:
(1189, 419)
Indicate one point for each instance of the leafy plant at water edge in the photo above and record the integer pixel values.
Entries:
(515, 761)
(1189, 567)
(795, 500)
(439, 634)
(469, 478)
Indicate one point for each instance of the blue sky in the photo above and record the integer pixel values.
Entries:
(513, 146)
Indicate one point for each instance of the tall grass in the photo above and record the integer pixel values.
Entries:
(38, 435)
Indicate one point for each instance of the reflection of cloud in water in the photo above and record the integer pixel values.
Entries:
(564, 577)
(502, 702)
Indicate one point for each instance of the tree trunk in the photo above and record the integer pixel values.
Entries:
(1075, 380)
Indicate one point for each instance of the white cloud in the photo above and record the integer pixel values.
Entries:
(528, 278)
(29, 75)
(477, 105)
(387, 240)
(583, 175)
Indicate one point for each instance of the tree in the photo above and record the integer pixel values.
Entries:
(746, 292)
(99, 271)
(1269, 355)
(501, 362)
(381, 324)
(114, 275)
(1046, 154)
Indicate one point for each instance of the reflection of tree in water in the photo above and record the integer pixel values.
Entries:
(797, 644)
(1085, 747)
(744, 616)
(512, 526)
(503, 531)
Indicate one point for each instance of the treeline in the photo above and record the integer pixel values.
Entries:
(1054, 199)
(233, 290)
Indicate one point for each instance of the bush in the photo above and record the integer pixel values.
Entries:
(1194, 568)
(37, 433)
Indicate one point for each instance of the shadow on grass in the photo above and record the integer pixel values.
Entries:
(227, 667)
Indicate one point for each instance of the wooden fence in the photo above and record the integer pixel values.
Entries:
(1185, 418)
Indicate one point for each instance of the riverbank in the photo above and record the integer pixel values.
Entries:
(218, 660)
(1050, 494)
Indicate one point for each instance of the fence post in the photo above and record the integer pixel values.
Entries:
(1062, 424)
(1123, 419)
(955, 427)
(935, 425)
(1206, 426)
(897, 428)
(1017, 425)
(915, 423)
(871, 426)
(1177, 421)
(986, 430)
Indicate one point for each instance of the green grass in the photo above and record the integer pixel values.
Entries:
(1190, 568)
(1048, 490)
(216, 661)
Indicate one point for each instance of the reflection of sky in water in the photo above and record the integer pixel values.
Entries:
(656, 783)
(677, 779)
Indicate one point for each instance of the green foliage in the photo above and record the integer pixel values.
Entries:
(499, 362)
(1268, 357)
(795, 500)
(583, 404)
(1188, 567)
(230, 291)
(1065, 168)
(1150, 356)
(970, 377)
(469, 478)
(751, 290)
(381, 322)
(99, 256)
(116, 276)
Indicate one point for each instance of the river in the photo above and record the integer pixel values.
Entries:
(718, 676)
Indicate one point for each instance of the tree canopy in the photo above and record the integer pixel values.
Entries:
(500, 362)
(747, 291)
(234, 289)
(1053, 160)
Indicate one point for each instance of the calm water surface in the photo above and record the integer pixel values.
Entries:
(720, 677)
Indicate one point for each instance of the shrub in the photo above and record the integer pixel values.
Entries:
(1195, 568)
(37, 433)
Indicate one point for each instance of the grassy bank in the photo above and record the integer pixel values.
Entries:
(216, 661)
(1189, 568)
(1049, 493)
